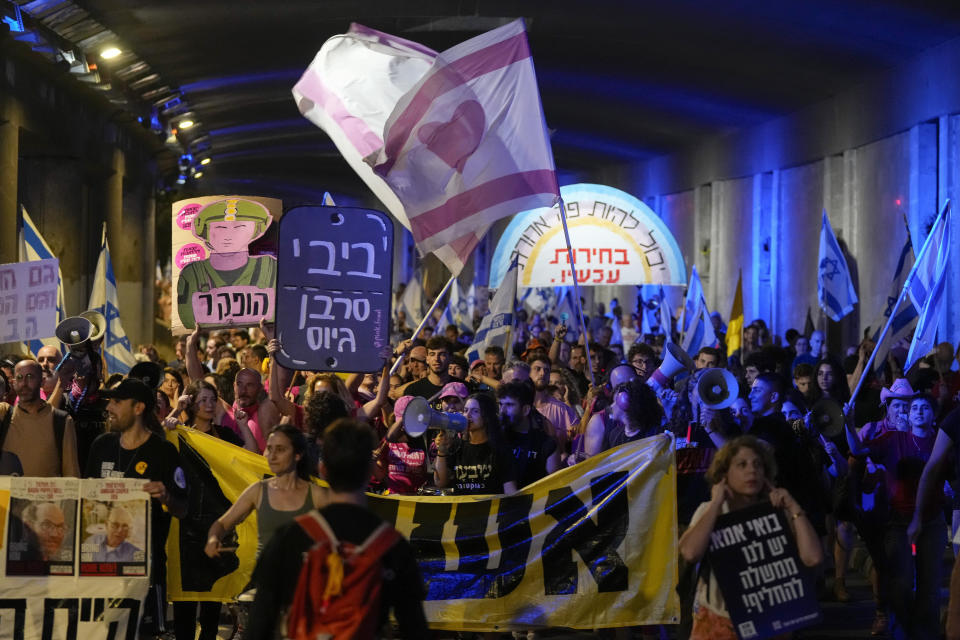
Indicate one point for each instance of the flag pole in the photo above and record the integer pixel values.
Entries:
(423, 323)
(576, 290)
(683, 311)
(903, 292)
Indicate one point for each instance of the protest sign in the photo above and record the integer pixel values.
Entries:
(616, 239)
(591, 546)
(224, 261)
(45, 592)
(28, 299)
(764, 584)
(333, 288)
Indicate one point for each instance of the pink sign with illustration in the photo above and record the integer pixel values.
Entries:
(225, 275)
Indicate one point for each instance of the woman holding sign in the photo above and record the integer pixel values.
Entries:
(741, 474)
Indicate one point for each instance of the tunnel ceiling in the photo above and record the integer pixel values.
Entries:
(620, 81)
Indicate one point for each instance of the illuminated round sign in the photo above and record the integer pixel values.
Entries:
(617, 240)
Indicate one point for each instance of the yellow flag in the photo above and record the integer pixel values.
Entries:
(735, 325)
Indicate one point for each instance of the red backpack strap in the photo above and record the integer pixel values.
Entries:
(317, 527)
(376, 545)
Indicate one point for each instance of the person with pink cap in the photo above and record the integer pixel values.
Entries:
(452, 397)
(401, 460)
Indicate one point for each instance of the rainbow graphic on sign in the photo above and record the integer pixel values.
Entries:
(616, 239)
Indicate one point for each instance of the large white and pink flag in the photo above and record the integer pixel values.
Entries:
(449, 142)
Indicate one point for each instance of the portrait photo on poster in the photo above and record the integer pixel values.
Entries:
(41, 537)
(113, 535)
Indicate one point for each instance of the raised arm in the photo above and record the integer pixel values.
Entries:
(372, 407)
(695, 540)
(195, 368)
(276, 388)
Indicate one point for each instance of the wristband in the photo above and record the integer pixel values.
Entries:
(798, 514)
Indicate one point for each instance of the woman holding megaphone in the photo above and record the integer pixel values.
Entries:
(479, 462)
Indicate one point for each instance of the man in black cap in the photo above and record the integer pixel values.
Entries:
(133, 448)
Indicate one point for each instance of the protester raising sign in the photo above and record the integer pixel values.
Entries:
(763, 582)
(224, 261)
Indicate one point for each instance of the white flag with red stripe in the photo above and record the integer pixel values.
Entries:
(462, 147)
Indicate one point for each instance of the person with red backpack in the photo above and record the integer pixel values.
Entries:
(353, 568)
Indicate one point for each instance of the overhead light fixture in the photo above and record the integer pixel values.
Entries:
(185, 124)
(205, 161)
(198, 174)
(110, 52)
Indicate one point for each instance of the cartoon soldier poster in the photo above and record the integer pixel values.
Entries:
(224, 261)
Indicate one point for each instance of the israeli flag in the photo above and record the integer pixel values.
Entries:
(412, 300)
(103, 299)
(464, 304)
(497, 325)
(34, 247)
(905, 316)
(835, 290)
(928, 287)
(666, 316)
(698, 329)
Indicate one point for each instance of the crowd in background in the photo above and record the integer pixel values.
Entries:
(553, 397)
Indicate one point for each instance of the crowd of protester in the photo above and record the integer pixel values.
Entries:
(550, 399)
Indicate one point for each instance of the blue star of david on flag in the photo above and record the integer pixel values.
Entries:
(829, 268)
(835, 291)
(103, 298)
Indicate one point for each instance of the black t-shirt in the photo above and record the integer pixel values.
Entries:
(282, 558)
(530, 452)
(615, 432)
(155, 459)
(480, 469)
(426, 389)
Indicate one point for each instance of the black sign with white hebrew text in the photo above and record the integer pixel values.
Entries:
(333, 288)
(766, 588)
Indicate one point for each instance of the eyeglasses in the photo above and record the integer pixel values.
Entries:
(49, 527)
(25, 376)
(418, 360)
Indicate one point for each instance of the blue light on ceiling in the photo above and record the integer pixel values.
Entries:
(254, 127)
(222, 82)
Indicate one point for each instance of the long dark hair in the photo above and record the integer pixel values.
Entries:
(299, 443)
(193, 390)
(839, 390)
(490, 414)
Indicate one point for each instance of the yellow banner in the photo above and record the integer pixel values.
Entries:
(591, 546)
(232, 469)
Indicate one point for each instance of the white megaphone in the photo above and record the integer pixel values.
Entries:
(419, 416)
(75, 333)
(718, 388)
(675, 360)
